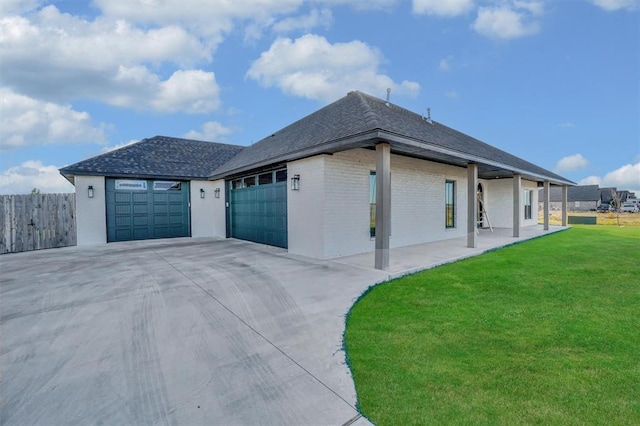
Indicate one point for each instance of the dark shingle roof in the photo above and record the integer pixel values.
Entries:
(158, 157)
(360, 120)
(575, 193)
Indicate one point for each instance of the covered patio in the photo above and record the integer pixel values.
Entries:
(411, 259)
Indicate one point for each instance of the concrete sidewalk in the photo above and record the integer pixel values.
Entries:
(411, 259)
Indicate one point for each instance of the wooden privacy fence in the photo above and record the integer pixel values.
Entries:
(37, 221)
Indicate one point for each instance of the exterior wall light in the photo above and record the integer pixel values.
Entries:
(295, 183)
(216, 193)
(90, 191)
(201, 192)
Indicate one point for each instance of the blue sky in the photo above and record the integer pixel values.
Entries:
(554, 82)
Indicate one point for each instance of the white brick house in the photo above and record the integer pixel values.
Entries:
(358, 175)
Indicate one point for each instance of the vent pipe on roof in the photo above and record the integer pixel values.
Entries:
(429, 116)
(388, 96)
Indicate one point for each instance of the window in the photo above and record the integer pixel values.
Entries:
(372, 204)
(236, 184)
(450, 203)
(281, 176)
(265, 178)
(527, 203)
(249, 181)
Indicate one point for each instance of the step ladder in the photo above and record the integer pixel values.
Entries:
(485, 214)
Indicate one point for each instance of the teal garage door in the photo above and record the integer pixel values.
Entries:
(258, 208)
(145, 209)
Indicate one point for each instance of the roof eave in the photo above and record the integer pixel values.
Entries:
(356, 141)
(69, 175)
(393, 137)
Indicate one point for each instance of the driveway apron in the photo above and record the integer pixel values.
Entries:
(182, 331)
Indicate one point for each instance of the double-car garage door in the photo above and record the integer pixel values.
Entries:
(258, 208)
(145, 209)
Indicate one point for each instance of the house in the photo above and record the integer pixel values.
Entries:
(359, 175)
(580, 198)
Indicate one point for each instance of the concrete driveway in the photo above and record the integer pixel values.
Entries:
(182, 331)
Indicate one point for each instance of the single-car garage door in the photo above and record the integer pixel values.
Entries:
(258, 208)
(145, 209)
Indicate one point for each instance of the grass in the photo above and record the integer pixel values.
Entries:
(542, 332)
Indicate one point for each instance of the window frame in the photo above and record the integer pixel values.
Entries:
(528, 204)
(450, 204)
(372, 203)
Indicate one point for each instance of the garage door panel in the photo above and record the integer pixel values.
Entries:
(138, 197)
(140, 209)
(175, 219)
(123, 209)
(140, 220)
(259, 213)
(160, 197)
(141, 234)
(152, 209)
(123, 221)
(122, 197)
(160, 209)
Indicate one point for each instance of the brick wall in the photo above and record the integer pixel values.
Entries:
(329, 215)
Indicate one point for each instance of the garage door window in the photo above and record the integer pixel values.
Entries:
(161, 185)
(130, 185)
(265, 178)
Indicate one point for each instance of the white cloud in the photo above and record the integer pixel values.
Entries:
(26, 122)
(360, 4)
(571, 163)
(117, 146)
(612, 5)
(209, 19)
(509, 21)
(33, 174)
(313, 68)
(444, 64)
(452, 94)
(442, 7)
(14, 7)
(566, 125)
(626, 177)
(536, 8)
(192, 91)
(315, 18)
(211, 131)
(106, 60)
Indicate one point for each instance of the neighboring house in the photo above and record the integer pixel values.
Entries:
(581, 198)
(358, 175)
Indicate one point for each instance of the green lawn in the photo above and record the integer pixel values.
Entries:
(542, 332)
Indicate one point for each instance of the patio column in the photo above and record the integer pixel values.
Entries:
(547, 196)
(383, 204)
(517, 191)
(565, 192)
(472, 205)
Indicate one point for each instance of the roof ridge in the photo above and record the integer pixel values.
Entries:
(370, 116)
